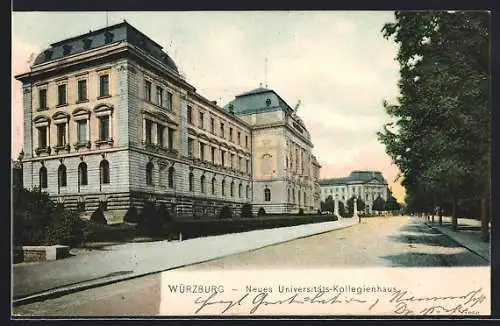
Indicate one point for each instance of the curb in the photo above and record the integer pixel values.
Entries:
(64, 290)
(468, 247)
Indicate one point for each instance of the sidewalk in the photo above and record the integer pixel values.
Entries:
(468, 234)
(34, 282)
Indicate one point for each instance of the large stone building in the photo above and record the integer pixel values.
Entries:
(108, 120)
(366, 185)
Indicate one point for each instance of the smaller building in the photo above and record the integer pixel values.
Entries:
(366, 185)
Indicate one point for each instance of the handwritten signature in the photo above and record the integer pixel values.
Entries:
(401, 301)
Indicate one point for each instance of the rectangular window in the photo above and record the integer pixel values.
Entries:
(104, 127)
(230, 134)
(202, 151)
(222, 158)
(231, 163)
(212, 125)
(190, 147)
(239, 138)
(159, 96)
(240, 163)
(61, 134)
(147, 90)
(201, 120)
(42, 137)
(247, 166)
(82, 90)
(246, 141)
(42, 99)
(213, 155)
(190, 114)
(170, 138)
(222, 130)
(104, 85)
(159, 134)
(149, 128)
(169, 101)
(61, 94)
(82, 131)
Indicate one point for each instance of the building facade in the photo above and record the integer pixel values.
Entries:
(109, 121)
(366, 185)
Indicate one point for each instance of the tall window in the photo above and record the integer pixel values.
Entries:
(305, 197)
(232, 189)
(246, 141)
(42, 99)
(170, 138)
(61, 134)
(61, 94)
(191, 181)
(247, 165)
(212, 150)
(223, 158)
(82, 174)
(82, 90)
(169, 101)
(42, 137)
(104, 85)
(231, 162)
(230, 134)
(190, 114)
(239, 138)
(212, 125)
(82, 131)
(104, 172)
(171, 172)
(61, 175)
(223, 187)
(202, 183)
(202, 151)
(267, 194)
(240, 188)
(190, 147)
(213, 186)
(240, 163)
(149, 174)
(104, 127)
(147, 90)
(159, 137)
(201, 118)
(149, 127)
(43, 177)
(159, 96)
(248, 191)
(222, 130)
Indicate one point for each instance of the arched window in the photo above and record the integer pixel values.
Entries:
(293, 195)
(289, 195)
(240, 187)
(191, 181)
(305, 197)
(267, 194)
(61, 174)
(223, 186)
(232, 189)
(248, 191)
(298, 197)
(213, 186)
(202, 184)
(104, 172)
(82, 174)
(149, 174)
(43, 177)
(171, 171)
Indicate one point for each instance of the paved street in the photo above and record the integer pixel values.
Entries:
(383, 241)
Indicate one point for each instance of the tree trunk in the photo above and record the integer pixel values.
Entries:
(440, 216)
(485, 230)
(454, 221)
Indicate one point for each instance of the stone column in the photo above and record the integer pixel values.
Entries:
(355, 206)
(336, 208)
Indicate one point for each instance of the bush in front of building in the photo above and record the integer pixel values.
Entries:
(301, 212)
(246, 211)
(225, 213)
(147, 219)
(163, 213)
(65, 228)
(98, 216)
(261, 212)
(131, 215)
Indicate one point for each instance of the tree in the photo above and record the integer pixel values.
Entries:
(261, 211)
(246, 210)
(440, 133)
(378, 204)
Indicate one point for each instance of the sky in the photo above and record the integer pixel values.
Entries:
(337, 63)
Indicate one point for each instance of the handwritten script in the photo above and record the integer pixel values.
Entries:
(400, 302)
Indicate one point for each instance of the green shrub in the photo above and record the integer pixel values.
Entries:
(147, 218)
(98, 216)
(261, 212)
(246, 210)
(65, 228)
(163, 213)
(131, 216)
(301, 212)
(225, 213)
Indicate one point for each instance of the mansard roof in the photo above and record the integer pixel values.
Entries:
(95, 39)
(360, 177)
